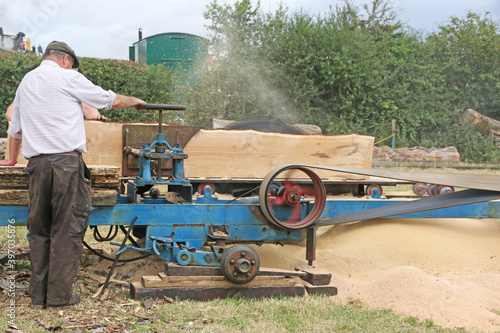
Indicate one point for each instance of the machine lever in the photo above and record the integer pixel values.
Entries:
(117, 256)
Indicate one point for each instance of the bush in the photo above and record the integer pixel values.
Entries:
(153, 84)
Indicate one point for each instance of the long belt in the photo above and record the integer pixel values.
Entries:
(481, 188)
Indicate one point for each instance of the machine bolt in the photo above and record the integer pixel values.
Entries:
(235, 274)
(232, 261)
(253, 262)
(243, 254)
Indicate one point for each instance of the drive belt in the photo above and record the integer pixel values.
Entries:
(480, 182)
(481, 188)
(429, 203)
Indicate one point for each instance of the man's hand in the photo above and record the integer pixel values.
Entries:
(6, 163)
(123, 102)
(102, 118)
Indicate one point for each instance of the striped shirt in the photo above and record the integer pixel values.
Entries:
(48, 114)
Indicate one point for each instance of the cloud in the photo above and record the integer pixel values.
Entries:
(105, 29)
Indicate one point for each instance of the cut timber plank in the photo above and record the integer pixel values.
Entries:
(14, 197)
(138, 291)
(13, 177)
(100, 197)
(104, 143)
(211, 281)
(252, 154)
(103, 176)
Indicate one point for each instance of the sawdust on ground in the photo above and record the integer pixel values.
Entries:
(444, 270)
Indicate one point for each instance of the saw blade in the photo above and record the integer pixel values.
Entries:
(429, 203)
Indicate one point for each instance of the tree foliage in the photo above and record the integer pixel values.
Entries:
(349, 69)
(352, 69)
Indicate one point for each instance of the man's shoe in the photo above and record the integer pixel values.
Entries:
(38, 306)
(75, 299)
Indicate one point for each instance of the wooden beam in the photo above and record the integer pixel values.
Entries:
(211, 281)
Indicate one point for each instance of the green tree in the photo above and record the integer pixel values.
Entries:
(468, 50)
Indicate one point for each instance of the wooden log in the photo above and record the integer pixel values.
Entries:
(480, 121)
(251, 154)
(416, 154)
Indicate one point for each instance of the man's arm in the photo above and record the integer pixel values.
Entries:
(10, 111)
(92, 113)
(15, 148)
(123, 102)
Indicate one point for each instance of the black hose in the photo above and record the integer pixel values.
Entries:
(112, 259)
(109, 237)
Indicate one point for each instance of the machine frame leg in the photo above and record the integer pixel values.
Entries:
(311, 246)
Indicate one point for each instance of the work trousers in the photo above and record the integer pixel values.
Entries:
(60, 205)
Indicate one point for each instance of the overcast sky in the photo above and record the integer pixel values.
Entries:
(105, 29)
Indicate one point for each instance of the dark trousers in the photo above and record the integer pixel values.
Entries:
(60, 204)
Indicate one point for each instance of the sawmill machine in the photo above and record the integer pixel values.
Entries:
(291, 204)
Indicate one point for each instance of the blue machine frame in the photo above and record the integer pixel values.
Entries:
(181, 232)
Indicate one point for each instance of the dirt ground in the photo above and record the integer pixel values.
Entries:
(444, 270)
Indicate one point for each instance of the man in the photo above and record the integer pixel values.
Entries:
(48, 120)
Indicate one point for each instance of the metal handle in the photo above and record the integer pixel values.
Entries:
(161, 107)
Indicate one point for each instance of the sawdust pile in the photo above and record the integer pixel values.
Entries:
(444, 270)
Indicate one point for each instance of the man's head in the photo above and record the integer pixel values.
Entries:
(62, 52)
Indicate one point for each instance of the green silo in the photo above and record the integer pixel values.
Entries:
(182, 52)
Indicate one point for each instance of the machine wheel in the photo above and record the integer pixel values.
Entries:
(284, 205)
(240, 264)
(371, 187)
(183, 257)
(419, 189)
(203, 185)
(446, 189)
(433, 189)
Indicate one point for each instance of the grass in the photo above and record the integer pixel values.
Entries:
(309, 314)
(122, 314)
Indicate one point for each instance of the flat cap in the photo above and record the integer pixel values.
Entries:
(63, 47)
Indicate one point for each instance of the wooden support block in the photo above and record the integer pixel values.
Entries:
(318, 290)
(138, 291)
(211, 281)
(317, 276)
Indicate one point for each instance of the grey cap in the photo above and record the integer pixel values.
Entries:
(63, 47)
